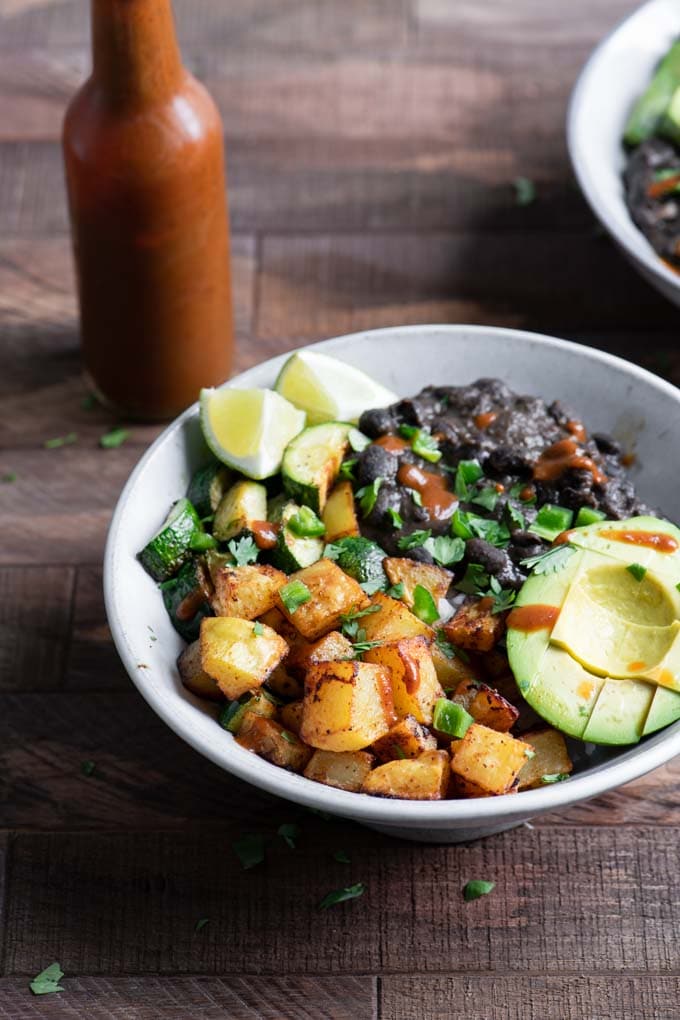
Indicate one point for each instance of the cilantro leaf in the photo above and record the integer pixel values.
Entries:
(54, 444)
(445, 550)
(396, 591)
(47, 980)
(474, 580)
(250, 850)
(372, 586)
(113, 439)
(525, 191)
(342, 857)
(477, 887)
(88, 768)
(361, 646)
(515, 517)
(289, 833)
(487, 498)
(395, 517)
(415, 496)
(414, 540)
(350, 892)
(467, 473)
(349, 621)
(346, 472)
(201, 923)
(368, 495)
(331, 551)
(294, 594)
(551, 561)
(243, 550)
(9, 476)
(555, 777)
(424, 606)
(503, 598)
(448, 649)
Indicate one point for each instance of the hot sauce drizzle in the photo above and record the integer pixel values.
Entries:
(536, 617)
(393, 444)
(577, 430)
(651, 539)
(264, 533)
(565, 455)
(437, 500)
(482, 421)
(190, 605)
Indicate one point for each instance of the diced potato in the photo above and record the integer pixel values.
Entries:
(235, 656)
(333, 593)
(330, 647)
(258, 704)
(451, 670)
(423, 778)
(290, 716)
(401, 570)
(393, 621)
(464, 788)
(275, 619)
(347, 705)
(246, 592)
(407, 739)
(194, 677)
(346, 770)
(475, 627)
(490, 760)
(283, 683)
(339, 515)
(274, 743)
(415, 686)
(486, 705)
(551, 758)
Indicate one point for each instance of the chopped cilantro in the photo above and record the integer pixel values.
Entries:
(477, 887)
(445, 550)
(525, 191)
(250, 850)
(551, 561)
(111, 440)
(342, 857)
(467, 473)
(349, 624)
(361, 645)
(294, 594)
(368, 495)
(395, 517)
(555, 777)
(9, 476)
(503, 598)
(396, 591)
(289, 737)
(350, 892)
(305, 524)
(89, 402)
(474, 580)
(415, 496)
(637, 570)
(515, 518)
(258, 629)
(47, 980)
(53, 444)
(201, 923)
(372, 586)
(424, 606)
(414, 540)
(346, 472)
(332, 550)
(289, 833)
(487, 498)
(87, 768)
(468, 525)
(243, 550)
(444, 646)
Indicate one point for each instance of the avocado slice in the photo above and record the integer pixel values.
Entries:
(604, 670)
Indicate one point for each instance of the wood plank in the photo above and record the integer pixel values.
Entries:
(312, 287)
(566, 901)
(460, 997)
(201, 998)
(93, 662)
(35, 614)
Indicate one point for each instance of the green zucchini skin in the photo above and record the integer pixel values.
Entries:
(244, 503)
(651, 114)
(361, 558)
(189, 584)
(207, 488)
(292, 553)
(311, 463)
(170, 547)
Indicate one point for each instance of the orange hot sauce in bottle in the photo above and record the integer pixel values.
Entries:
(144, 161)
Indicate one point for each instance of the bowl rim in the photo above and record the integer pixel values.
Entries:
(635, 244)
(439, 814)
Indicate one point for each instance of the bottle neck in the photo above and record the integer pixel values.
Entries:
(136, 59)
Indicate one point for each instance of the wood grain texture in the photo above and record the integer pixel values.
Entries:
(565, 902)
(201, 998)
(459, 997)
(35, 618)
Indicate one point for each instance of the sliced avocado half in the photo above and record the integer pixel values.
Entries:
(607, 669)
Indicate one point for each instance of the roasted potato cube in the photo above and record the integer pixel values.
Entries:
(490, 760)
(246, 592)
(257, 703)
(235, 656)
(275, 619)
(415, 686)
(406, 739)
(290, 716)
(346, 770)
(194, 677)
(283, 683)
(410, 573)
(333, 593)
(393, 621)
(273, 743)
(423, 778)
(475, 627)
(452, 669)
(339, 515)
(347, 705)
(550, 758)
(464, 788)
(486, 705)
(330, 647)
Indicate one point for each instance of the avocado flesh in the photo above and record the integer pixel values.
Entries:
(566, 674)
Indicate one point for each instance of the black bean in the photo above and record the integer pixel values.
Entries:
(377, 422)
(375, 462)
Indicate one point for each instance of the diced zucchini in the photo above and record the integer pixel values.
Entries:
(311, 463)
(339, 514)
(171, 545)
(293, 553)
(244, 503)
(647, 114)
(207, 487)
(186, 598)
(361, 559)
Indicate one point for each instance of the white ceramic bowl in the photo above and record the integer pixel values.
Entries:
(617, 72)
(609, 394)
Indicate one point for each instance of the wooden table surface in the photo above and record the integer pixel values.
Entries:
(372, 146)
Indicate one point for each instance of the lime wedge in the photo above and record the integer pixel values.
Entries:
(328, 389)
(249, 429)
